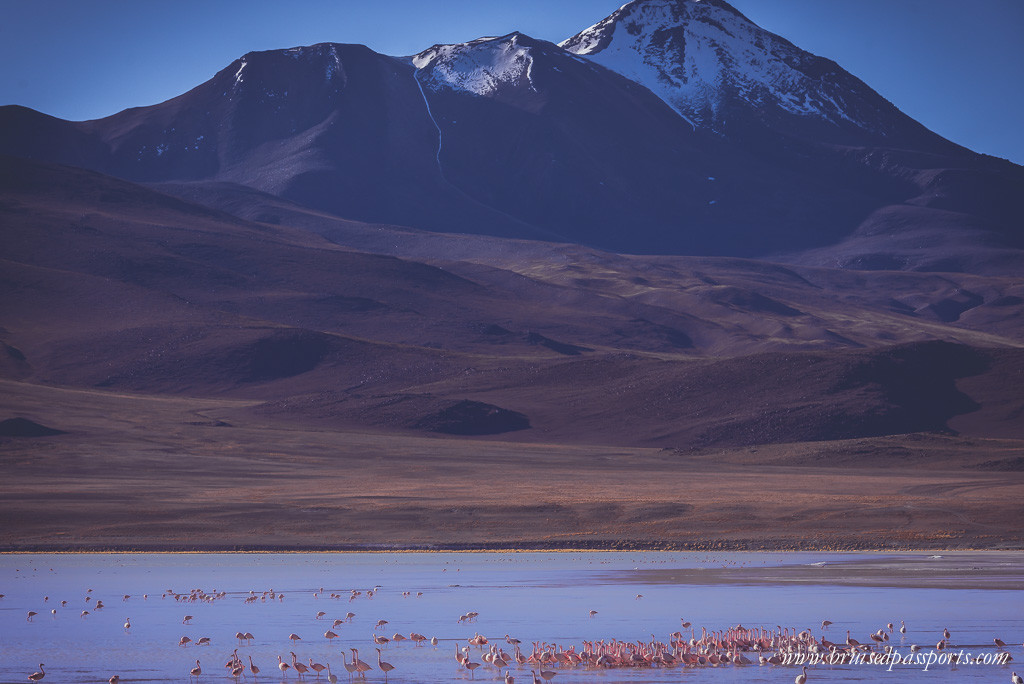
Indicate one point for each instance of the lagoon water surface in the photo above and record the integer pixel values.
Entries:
(534, 597)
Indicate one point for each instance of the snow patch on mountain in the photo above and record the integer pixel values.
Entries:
(239, 74)
(481, 67)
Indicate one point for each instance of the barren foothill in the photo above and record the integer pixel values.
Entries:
(144, 473)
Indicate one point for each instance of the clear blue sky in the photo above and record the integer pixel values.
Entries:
(955, 65)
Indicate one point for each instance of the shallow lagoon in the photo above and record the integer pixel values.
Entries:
(543, 597)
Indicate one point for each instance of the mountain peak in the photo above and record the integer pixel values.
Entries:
(711, 64)
(646, 16)
(482, 67)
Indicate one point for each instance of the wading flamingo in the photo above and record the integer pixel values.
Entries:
(384, 666)
(297, 666)
(361, 666)
(349, 667)
(36, 676)
(252, 668)
(316, 667)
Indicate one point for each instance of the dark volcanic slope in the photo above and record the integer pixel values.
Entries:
(337, 127)
(672, 127)
(110, 285)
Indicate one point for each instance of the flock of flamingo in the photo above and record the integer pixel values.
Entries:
(736, 646)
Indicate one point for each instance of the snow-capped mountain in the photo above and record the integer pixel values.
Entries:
(711, 64)
(672, 126)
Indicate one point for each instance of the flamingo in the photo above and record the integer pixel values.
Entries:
(385, 667)
(294, 637)
(316, 667)
(234, 661)
(297, 666)
(31, 614)
(331, 677)
(36, 676)
(1016, 678)
(330, 635)
(115, 679)
(548, 675)
(361, 666)
(349, 667)
(252, 668)
(237, 671)
(195, 671)
(471, 666)
(801, 679)
(187, 620)
(184, 641)
(283, 666)
(509, 679)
